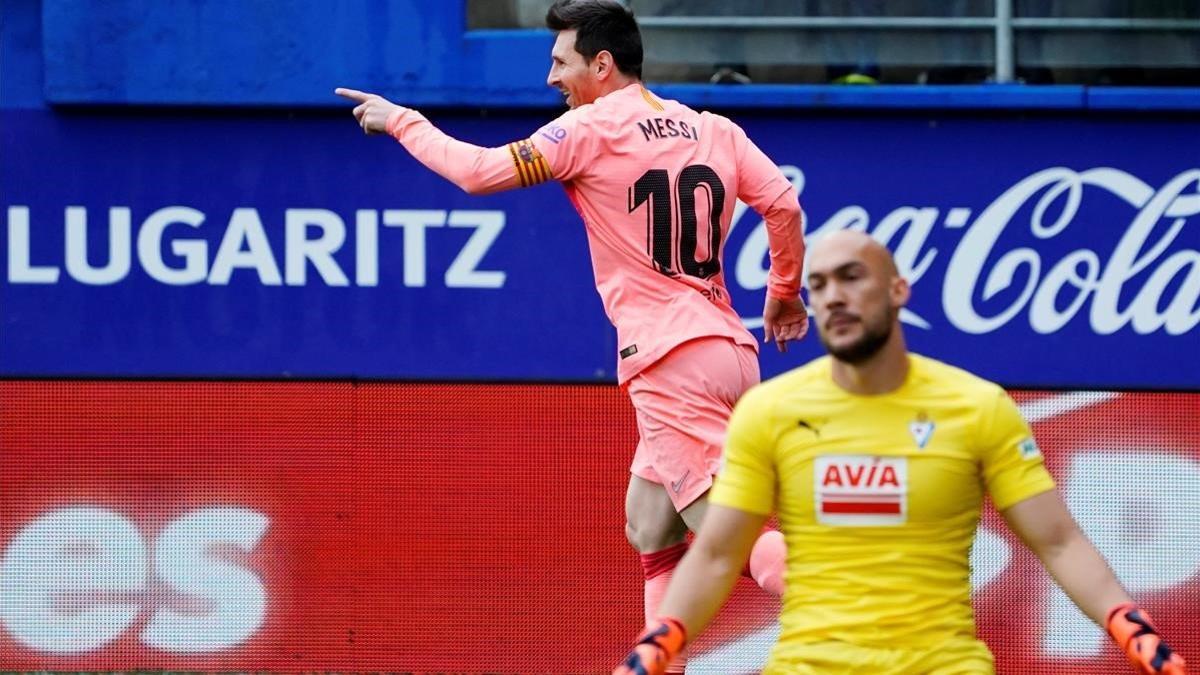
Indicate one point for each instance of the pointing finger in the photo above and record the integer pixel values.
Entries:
(353, 94)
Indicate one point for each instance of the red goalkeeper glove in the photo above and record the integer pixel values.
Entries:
(1130, 626)
(656, 646)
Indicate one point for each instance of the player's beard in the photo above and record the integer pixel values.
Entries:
(875, 335)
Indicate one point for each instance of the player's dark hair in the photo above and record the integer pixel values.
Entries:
(600, 25)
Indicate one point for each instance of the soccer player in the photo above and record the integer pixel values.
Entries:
(655, 183)
(876, 461)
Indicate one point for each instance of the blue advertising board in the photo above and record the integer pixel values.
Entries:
(1044, 252)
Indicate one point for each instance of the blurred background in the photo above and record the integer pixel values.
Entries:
(1095, 42)
(275, 397)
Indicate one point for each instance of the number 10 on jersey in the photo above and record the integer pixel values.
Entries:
(671, 254)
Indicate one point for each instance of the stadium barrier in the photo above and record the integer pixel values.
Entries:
(447, 527)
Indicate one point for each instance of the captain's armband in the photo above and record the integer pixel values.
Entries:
(532, 168)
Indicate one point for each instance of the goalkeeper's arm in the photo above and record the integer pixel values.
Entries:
(1047, 528)
(700, 585)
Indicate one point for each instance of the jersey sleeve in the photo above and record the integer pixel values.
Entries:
(566, 145)
(785, 241)
(763, 187)
(475, 169)
(760, 182)
(1013, 467)
(747, 477)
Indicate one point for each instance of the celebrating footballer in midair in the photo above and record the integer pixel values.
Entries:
(656, 184)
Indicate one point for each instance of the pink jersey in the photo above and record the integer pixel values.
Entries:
(655, 183)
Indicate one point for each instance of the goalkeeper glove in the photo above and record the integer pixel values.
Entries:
(1130, 626)
(656, 646)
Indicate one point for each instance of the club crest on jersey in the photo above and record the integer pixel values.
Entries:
(861, 490)
(921, 430)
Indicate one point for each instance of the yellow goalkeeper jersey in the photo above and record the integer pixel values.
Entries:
(878, 498)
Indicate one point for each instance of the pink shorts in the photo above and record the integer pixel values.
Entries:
(683, 403)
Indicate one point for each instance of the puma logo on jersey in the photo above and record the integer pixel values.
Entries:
(805, 424)
(861, 490)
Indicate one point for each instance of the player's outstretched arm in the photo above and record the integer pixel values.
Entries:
(1047, 528)
(700, 585)
(474, 169)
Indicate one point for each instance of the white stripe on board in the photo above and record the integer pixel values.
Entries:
(1060, 404)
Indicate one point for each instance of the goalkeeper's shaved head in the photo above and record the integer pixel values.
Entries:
(854, 243)
(856, 293)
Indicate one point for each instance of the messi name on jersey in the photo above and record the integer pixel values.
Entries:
(861, 490)
(657, 127)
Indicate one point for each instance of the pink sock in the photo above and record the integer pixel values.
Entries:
(658, 567)
(768, 559)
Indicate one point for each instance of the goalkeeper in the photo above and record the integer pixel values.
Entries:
(876, 461)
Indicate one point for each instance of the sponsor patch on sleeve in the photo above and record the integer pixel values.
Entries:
(553, 133)
(531, 166)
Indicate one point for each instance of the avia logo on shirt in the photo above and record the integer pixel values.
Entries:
(861, 490)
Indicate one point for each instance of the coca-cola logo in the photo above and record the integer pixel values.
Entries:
(1148, 281)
